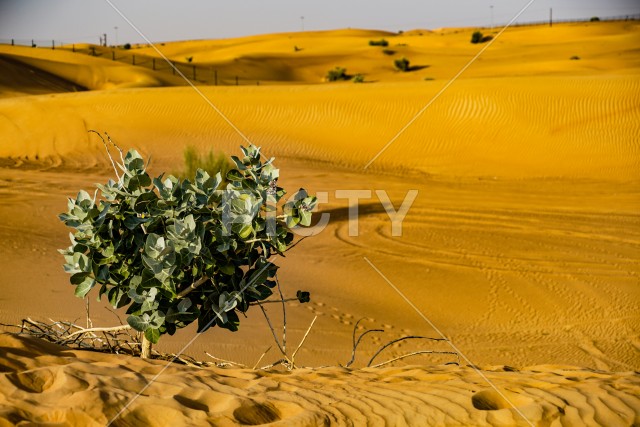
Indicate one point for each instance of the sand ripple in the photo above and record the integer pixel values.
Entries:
(46, 384)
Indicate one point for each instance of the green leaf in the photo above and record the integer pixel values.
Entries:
(152, 335)
(139, 323)
(132, 221)
(245, 231)
(84, 287)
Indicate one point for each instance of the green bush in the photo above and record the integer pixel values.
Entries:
(127, 46)
(381, 42)
(358, 78)
(402, 64)
(476, 37)
(388, 52)
(211, 162)
(336, 74)
(594, 19)
(574, 58)
(175, 251)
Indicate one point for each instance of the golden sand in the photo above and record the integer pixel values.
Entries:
(521, 246)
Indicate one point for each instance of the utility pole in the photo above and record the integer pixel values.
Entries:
(491, 16)
(116, 28)
(302, 23)
(105, 39)
(551, 17)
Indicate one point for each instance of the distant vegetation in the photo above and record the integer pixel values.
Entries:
(388, 52)
(189, 59)
(402, 64)
(478, 37)
(594, 19)
(337, 74)
(211, 162)
(574, 58)
(127, 46)
(381, 42)
(358, 78)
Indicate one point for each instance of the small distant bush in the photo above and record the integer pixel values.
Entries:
(337, 74)
(358, 78)
(594, 19)
(476, 37)
(402, 64)
(211, 162)
(381, 42)
(388, 52)
(127, 46)
(400, 32)
(574, 58)
(297, 49)
(486, 38)
(428, 79)
(189, 59)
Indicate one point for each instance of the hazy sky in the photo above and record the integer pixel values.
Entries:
(162, 20)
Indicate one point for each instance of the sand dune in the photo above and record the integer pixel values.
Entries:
(55, 385)
(552, 127)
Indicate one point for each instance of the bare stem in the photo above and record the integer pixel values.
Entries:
(415, 353)
(410, 337)
(356, 343)
(228, 362)
(293, 356)
(111, 329)
(284, 316)
(113, 163)
(273, 332)
(193, 286)
(261, 357)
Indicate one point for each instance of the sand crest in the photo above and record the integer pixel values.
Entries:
(44, 383)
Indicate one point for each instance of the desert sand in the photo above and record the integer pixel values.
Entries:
(521, 247)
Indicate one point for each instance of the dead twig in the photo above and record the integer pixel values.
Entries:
(261, 357)
(273, 332)
(414, 353)
(390, 343)
(356, 343)
(304, 338)
(224, 362)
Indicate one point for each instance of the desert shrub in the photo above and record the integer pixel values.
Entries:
(574, 58)
(381, 42)
(211, 162)
(189, 59)
(178, 251)
(402, 64)
(594, 19)
(428, 79)
(388, 52)
(336, 74)
(127, 46)
(358, 78)
(476, 37)
(486, 38)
